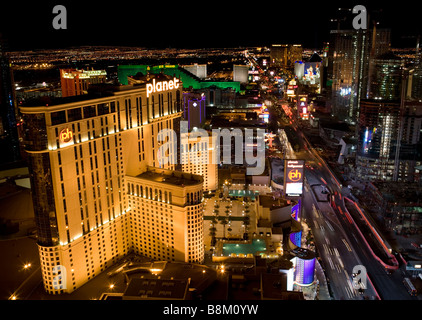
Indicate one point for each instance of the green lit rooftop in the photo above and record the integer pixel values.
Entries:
(188, 79)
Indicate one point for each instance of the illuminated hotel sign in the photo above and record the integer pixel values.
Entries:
(65, 135)
(162, 86)
(293, 177)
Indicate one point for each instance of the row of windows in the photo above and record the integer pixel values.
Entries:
(148, 192)
(76, 114)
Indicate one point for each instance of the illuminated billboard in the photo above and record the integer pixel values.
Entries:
(296, 238)
(293, 177)
(296, 211)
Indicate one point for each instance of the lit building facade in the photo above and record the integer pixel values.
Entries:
(385, 78)
(381, 125)
(285, 55)
(85, 158)
(199, 70)
(167, 215)
(348, 68)
(76, 82)
(304, 269)
(196, 157)
(241, 73)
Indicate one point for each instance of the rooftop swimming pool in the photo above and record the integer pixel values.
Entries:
(244, 193)
(244, 248)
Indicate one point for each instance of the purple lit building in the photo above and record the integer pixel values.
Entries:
(296, 237)
(194, 109)
(305, 270)
(304, 262)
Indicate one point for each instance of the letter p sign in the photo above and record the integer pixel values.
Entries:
(359, 22)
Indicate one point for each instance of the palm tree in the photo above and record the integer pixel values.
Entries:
(246, 222)
(213, 232)
(224, 222)
(229, 229)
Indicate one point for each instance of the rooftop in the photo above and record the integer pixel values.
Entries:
(273, 202)
(175, 178)
(149, 287)
(96, 91)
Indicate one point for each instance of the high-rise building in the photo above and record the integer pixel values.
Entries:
(194, 109)
(99, 188)
(199, 70)
(76, 82)
(348, 67)
(385, 78)
(240, 73)
(9, 139)
(415, 83)
(166, 215)
(285, 55)
(381, 124)
(196, 157)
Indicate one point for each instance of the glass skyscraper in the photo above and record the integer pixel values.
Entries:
(348, 68)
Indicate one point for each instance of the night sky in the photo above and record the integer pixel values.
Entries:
(193, 24)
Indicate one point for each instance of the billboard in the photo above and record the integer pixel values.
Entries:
(296, 211)
(293, 177)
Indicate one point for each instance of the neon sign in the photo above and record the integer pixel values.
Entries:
(293, 177)
(162, 86)
(65, 135)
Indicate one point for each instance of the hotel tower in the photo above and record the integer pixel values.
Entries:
(98, 189)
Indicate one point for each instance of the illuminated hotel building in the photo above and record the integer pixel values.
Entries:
(285, 55)
(96, 193)
(76, 82)
(167, 215)
(196, 158)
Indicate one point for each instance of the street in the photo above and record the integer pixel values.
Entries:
(340, 245)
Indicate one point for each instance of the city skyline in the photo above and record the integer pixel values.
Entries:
(199, 25)
(210, 151)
